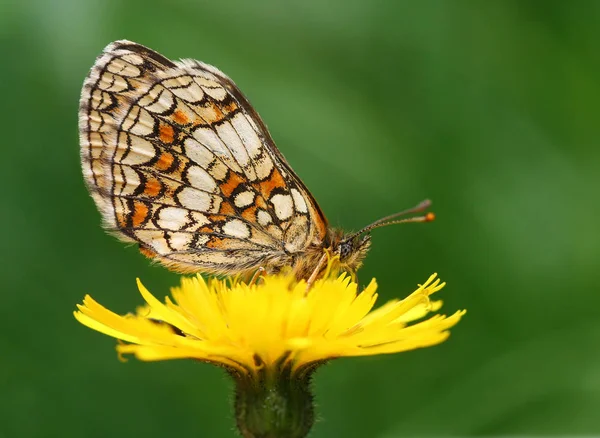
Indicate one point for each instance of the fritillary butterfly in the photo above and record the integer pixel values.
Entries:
(179, 162)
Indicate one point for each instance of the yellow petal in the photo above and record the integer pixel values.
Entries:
(248, 327)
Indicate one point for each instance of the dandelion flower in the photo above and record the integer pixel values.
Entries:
(272, 335)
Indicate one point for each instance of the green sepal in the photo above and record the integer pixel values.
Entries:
(274, 402)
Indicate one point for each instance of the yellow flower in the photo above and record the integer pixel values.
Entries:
(248, 327)
(272, 335)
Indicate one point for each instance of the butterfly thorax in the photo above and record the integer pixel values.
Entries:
(348, 251)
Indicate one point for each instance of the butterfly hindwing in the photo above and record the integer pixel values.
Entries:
(178, 161)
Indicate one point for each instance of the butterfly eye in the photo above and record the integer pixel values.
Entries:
(345, 250)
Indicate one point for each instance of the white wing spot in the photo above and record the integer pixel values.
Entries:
(198, 153)
(230, 137)
(299, 201)
(248, 134)
(200, 179)
(263, 166)
(123, 68)
(205, 158)
(136, 150)
(198, 220)
(244, 199)
(172, 218)
(133, 58)
(126, 180)
(191, 93)
(264, 218)
(180, 241)
(155, 239)
(284, 206)
(236, 228)
(164, 102)
(139, 122)
(217, 93)
(194, 199)
(202, 240)
(210, 140)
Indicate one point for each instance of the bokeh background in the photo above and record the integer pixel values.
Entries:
(488, 108)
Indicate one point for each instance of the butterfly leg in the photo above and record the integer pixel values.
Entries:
(313, 277)
(259, 272)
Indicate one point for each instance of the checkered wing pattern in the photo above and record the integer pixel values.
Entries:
(178, 161)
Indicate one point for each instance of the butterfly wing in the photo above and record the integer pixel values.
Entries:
(178, 161)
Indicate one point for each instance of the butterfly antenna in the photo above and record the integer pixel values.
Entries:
(392, 219)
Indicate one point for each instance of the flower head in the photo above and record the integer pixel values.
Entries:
(247, 327)
(272, 334)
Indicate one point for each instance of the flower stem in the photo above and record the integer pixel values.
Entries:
(274, 403)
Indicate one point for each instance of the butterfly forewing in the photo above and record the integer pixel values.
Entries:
(178, 161)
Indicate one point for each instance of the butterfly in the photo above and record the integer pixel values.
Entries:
(179, 162)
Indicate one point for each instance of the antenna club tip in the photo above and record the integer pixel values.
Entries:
(429, 217)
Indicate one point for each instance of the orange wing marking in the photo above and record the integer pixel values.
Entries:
(148, 252)
(230, 107)
(180, 117)
(274, 181)
(250, 213)
(212, 113)
(152, 187)
(226, 208)
(217, 218)
(216, 243)
(166, 133)
(165, 161)
(260, 203)
(140, 213)
(232, 182)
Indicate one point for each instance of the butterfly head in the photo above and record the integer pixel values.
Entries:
(353, 248)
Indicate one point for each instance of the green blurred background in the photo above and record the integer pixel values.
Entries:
(489, 108)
